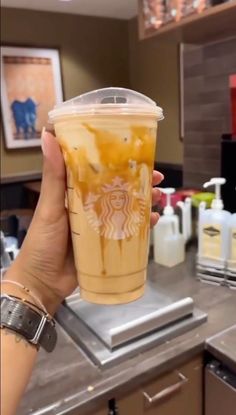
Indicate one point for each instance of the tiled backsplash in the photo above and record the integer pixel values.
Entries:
(207, 107)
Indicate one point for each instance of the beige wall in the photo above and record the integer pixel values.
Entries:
(94, 54)
(154, 72)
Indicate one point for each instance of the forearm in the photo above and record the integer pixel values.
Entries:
(17, 361)
(17, 354)
(43, 268)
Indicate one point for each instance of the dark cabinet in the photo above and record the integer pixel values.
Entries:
(220, 390)
(176, 392)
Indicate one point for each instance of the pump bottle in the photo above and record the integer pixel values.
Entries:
(169, 246)
(213, 238)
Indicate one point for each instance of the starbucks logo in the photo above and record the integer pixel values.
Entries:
(117, 211)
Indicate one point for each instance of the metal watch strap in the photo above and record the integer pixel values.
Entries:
(34, 327)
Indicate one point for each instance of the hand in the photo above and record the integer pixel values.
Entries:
(156, 194)
(45, 263)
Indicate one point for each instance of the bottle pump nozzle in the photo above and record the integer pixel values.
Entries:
(217, 202)
(168, 209)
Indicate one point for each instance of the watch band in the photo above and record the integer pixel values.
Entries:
(35, 307)
(36, 328)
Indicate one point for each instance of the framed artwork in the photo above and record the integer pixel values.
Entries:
(31, 85)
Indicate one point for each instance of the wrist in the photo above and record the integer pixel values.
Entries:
(43, 293)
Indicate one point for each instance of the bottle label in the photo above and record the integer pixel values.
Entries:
(233, 244)
(211, 241)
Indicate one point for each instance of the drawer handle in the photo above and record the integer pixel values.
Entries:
(165, 392)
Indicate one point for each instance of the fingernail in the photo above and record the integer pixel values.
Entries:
(162, 177)
(50, 128)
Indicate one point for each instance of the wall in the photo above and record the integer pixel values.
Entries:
(207, 107)
(94, 54)
(154, 72)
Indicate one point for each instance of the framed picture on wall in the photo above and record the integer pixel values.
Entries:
(31, 84)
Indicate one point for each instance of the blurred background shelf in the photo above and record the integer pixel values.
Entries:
(213, 23)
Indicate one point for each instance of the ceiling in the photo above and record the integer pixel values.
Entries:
(120, 9)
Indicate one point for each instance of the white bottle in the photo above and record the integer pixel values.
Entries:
(231, 263)
(169, 246)
(213, 238)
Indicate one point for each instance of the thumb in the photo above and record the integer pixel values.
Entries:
(52, 197)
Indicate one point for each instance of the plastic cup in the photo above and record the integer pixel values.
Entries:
(108, 139)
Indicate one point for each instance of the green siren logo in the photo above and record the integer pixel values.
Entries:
(211, 231)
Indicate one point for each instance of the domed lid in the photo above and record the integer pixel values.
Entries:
(107, 101)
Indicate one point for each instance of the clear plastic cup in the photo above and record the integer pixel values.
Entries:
(108, 140)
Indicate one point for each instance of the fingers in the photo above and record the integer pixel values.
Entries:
(53, 160)
(52, 197)
(157, 177)
(156, 195)
(154, 218)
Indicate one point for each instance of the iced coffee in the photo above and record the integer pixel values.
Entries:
(109, 149)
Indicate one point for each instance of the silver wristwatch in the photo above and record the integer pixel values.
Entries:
(35, 327)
